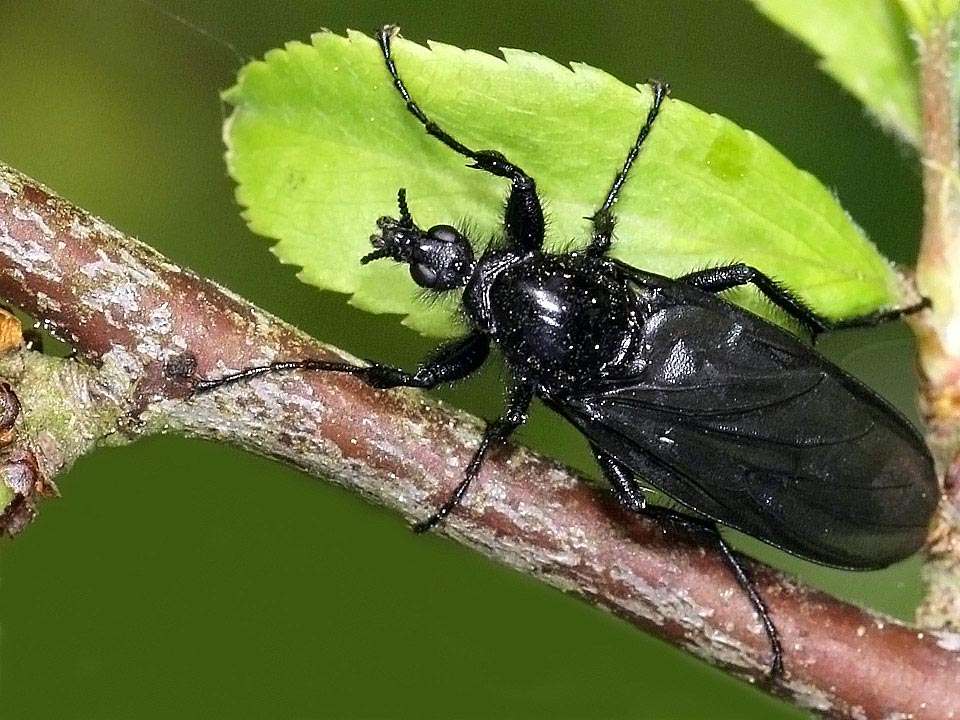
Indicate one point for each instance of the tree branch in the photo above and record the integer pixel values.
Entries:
(143, 328)
(938, 268)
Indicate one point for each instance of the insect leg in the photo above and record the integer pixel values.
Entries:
(625, 486)
(879, 317)
(744, 581)
(731, 276)
(452, 361)
(603, 218)
(524, 215)
(497, 431)
(708, 527)
(629, 494)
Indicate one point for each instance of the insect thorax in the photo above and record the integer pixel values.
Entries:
(558, 319)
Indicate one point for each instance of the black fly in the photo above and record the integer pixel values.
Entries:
(732, 417)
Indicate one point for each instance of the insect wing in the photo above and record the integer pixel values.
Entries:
(741, 422)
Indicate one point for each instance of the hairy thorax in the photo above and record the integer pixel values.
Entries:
(558, 319)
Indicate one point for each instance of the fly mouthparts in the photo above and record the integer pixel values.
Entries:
(394, 240)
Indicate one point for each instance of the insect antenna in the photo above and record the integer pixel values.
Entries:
(406, 219)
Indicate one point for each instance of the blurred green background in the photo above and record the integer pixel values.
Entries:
(181, 579)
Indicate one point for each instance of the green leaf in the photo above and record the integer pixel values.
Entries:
(865, 46)
(319, 143)
(924, 14)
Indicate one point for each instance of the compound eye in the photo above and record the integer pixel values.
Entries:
(444, 234)
(423, 275)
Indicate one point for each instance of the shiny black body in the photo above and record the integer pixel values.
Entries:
(734, 418)
(725, 413)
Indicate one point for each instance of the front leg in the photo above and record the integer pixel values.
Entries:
(523, 217)
(453, 361)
